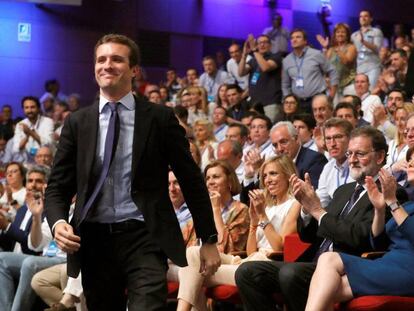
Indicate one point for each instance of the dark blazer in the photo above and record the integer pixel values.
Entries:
(15, 234)
(312, 162)
(159, 142)
(350, 234)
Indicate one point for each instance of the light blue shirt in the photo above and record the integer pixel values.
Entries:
(183, 215)
(368, 59)
(115, 202)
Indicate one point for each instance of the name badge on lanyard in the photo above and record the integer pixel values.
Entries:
(299, 81)
(255, 78)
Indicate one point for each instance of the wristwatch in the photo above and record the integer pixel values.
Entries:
(212, 239)
(262, 224)
(394, 206)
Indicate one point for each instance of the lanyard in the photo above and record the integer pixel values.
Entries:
(210, 83)
(299, 66)
(219, 129)
(338, 183)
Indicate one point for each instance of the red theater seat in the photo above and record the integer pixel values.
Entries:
(378, 303)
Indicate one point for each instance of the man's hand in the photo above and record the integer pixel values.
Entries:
(34, 203)
(306, 195)
(209, 259)
(26, 129)
(66, 239)
(4, 222)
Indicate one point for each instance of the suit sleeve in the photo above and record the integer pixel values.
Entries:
(315, 169)
(353, 234)
(189, 177)
(62, 182)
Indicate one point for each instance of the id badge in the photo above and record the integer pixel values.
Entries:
(255, 78)
(361, 55)
(33, 151)
(299, 83)
(210, 98)
(52, 249)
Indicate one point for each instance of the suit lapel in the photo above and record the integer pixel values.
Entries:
(346, 194)
(88, 142)
(142, 125)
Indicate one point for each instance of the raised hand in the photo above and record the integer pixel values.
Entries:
(306, 195)
(258, 202)
(324, 42)
(388, 186)
(34, 202)
(374, 195)
(215, 199)
(252, 162)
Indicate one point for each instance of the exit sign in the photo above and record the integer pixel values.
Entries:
(24, 32)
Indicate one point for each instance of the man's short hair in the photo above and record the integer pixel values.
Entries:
(244, 131)
(209, 57)
(264, 36)
(302, 31)
(134, 53)
(366, 10)
(402, 53)
(45, 171)
(356, 101)
(264, 118)
(346, 105)
(338, 122)
(236, 147)
(377, 138)
(290, 128)
(154, 91)
(306, 118)
(402, 92)
(235, 87)
(327, 99)
(32, 98)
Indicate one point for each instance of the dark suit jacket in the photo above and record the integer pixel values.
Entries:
(15, 234)
(312, 162)
(159, 142)
(350, 234)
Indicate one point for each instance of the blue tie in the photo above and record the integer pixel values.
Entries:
(326, 243)
(109, 147)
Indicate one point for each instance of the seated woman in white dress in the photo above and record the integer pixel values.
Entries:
(273, 212)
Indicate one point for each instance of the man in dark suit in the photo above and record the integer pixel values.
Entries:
(344, 226)
(114, 155)
(285, 140)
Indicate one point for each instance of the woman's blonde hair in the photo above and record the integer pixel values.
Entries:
(203, 103)
(209, 126)
(287, 167)
(232, 179)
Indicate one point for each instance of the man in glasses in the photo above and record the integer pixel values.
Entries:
(344, 225)
(336, 172)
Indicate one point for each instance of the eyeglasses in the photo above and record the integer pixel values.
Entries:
(358, 154)
(337, 137)
(288, 102)
(409, 130)
(263, 42)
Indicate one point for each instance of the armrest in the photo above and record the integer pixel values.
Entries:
(275, 255)
(372, 255)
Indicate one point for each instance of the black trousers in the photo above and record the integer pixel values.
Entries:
(121, 264)
(259, 280)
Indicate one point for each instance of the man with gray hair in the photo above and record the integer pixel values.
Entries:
(285, 140)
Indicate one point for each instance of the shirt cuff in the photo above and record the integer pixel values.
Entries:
(57, 222)
(248, 181)
(320, 218)
(306, 218)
